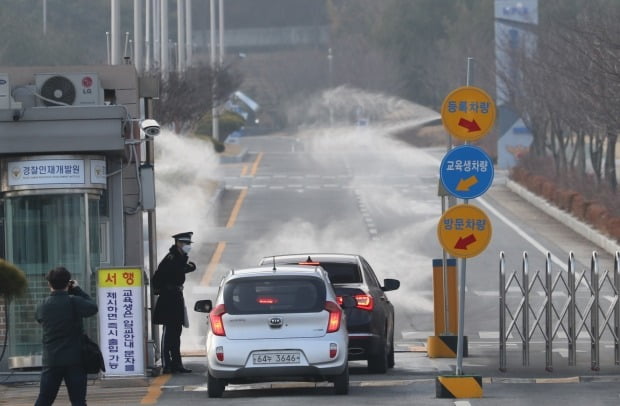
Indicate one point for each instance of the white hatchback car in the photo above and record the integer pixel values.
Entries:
(272, 324)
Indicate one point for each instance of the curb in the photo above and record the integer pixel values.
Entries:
(568, 379)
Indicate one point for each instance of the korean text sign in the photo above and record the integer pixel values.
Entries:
(121, 320)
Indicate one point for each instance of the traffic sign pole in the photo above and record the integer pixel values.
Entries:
(468, 113)
(463, 273)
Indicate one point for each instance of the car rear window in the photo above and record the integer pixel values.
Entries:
(338, 272)
(342, 273)
(274, 295)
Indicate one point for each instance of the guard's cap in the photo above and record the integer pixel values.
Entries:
(184, 237)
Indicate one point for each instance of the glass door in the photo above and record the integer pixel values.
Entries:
(42, 232)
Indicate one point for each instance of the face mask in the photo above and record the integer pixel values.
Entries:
(186, 248)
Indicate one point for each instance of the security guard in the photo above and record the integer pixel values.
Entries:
(170, 309)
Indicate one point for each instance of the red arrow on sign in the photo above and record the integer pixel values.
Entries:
(470, 125)
(462, 243)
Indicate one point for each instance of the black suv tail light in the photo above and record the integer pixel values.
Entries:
(362, 301)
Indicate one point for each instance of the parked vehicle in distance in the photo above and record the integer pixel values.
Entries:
(276, 323)
(371, 321)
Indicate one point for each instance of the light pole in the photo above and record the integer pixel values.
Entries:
(115, 31)
(330, 58)
(44, 17)
(181, 36)
(216, 62)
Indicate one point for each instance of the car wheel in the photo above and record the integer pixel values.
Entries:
(215, 386)
(378, 361)
(341, 382)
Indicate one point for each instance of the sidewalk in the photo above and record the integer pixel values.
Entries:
(117, 392)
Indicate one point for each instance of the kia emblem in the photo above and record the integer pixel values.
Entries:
(275, 322)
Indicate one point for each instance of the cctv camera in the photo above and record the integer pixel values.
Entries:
(150, 127)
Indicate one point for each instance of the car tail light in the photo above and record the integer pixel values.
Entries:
(363, 301)
(333, 350)
(219, 353)
(215, 318)
(335, 316)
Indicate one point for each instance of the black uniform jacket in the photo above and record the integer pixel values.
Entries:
(168, 283)
(60, 315)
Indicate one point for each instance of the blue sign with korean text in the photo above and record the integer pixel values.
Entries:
(466, 172)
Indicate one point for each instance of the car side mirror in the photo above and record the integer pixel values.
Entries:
(348, 302)
(203, 306)
(390, 284)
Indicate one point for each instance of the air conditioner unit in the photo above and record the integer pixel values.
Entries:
(68, 89)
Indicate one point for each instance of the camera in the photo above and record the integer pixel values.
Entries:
(150, 127)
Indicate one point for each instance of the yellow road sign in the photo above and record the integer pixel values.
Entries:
(464, 231)
(468, 113)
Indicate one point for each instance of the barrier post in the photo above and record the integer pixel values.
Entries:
(594, 323)
(549, 316)
(526, 313)
(617, 309)
(502, 312)
(572, 323)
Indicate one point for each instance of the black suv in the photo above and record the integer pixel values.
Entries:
(371, 322)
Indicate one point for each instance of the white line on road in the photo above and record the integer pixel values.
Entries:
(522, 233)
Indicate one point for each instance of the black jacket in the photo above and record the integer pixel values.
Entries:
(60, 315)
(168, 283)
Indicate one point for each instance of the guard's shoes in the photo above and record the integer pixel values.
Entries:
(166, 370)
(182, 370)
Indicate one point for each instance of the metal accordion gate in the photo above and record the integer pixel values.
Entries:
(560, 304)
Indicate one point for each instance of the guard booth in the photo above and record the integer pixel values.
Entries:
(70, 190)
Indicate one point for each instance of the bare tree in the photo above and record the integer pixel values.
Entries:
(186, 97)
(568, 88)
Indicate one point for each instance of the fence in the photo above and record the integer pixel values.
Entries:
(570, 305)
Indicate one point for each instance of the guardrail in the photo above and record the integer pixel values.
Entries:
(570, 305)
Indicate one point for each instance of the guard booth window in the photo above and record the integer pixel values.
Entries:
(42, 232)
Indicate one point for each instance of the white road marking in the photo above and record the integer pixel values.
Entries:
(522, 233)
(491, 334)
(492, 293)
(417, 334)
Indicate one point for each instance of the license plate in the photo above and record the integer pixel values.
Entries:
(279, 357)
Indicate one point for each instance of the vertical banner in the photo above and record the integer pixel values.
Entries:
(121, 321)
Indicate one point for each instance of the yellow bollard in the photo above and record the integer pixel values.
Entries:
(444, 343)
